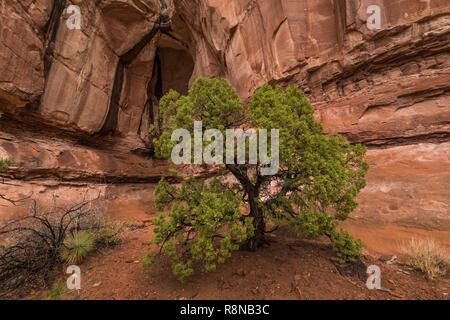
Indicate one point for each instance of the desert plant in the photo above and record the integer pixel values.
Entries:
(77, 247)
(56, 292)
(173, 172)
(32, 244)
(315, 187)
(347, 248)
(5, 163)
(108, 233)
(428, 257)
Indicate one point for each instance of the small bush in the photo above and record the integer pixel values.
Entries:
(149, 261)
(347, 248)
(5, 164)
(108, 233)
(55, 292)
(428, 257)
(77, 247)
(33, 245)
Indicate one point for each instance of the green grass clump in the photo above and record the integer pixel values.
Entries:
(56, 292)
(5, 164)
(77, 247)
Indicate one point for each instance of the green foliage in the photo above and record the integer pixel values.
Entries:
(77, 247)
(213, 101)
(56, 292)
(108, 233)
(313, 224)
(149, 262)
(316, 186)
(5, 164)
(322, 172)
(173, 172)
(204, 224)
(347, 248)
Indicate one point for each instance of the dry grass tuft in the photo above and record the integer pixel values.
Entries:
(428, 257)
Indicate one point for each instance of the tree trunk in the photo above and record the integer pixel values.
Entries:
(259, 224)
(258, 240)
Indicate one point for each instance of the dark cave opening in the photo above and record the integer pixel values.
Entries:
(176, 68)
(173, 70)
(173, 67)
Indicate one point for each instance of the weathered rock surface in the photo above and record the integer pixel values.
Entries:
(375, 86)
(78, 103)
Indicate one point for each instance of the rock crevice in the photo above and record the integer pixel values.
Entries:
(95, 91)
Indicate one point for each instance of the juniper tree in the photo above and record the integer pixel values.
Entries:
(316, 186)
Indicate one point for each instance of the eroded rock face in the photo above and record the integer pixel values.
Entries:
(77, 76)
(97, 88)
(22, 49)
(375, 86)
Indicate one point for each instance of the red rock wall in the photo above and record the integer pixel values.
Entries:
(66, 91)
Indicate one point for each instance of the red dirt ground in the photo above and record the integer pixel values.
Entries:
(290, 268)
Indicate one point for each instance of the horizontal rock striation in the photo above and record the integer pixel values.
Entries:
(78, 104)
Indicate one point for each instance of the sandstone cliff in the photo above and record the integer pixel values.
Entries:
(78, 103)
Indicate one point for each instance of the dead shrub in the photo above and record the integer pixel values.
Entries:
(428, 257)
(33, 245)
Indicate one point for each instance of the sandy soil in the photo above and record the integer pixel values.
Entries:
(290, 268)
